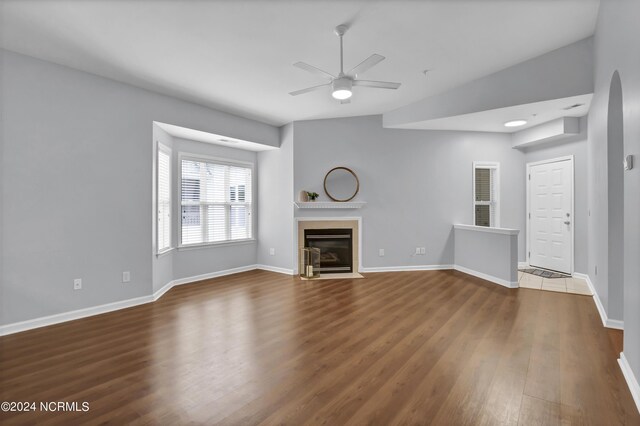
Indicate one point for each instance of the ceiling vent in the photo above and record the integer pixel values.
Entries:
(572, 107)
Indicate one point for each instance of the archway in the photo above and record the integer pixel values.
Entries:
(615, 186)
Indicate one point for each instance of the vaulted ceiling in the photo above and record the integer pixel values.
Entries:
(236, 56)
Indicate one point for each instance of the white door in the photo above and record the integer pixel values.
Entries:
(551, 215)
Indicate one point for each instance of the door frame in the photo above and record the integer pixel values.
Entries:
(572, 212)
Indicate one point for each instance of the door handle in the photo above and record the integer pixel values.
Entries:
(566, 222)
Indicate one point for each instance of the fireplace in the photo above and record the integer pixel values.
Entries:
(336, 248)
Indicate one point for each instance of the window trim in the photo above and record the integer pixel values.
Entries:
(167, 150)
(494, 165)
(226, 162)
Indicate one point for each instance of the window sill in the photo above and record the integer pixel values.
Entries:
(220, 244)
(493, 230)
(165, 252)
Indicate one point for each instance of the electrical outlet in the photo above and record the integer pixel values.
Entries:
(126, 276)
(417, 250)
(423, 250)
(77, 284)
(381, 252)
(272, 251)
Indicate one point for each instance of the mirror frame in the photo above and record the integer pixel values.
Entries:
(352, 173)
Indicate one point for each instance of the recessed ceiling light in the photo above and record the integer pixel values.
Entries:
(515, 123)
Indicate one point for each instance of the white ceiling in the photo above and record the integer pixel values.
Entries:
(236, 56)
(493, 120)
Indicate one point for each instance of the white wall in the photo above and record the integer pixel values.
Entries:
(77, 184)
(416, 183)
(616, 48)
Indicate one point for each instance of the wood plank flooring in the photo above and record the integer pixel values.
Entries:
(433, 347)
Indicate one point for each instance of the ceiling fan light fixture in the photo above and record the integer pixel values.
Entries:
(341, 88)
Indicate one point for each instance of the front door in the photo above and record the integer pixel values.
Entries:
(551, 215)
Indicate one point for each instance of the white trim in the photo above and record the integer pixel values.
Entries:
(552, 160)
(406, 268)
(17, 327)
(165, 288)
(217, 244)
(122, 304)
(188, 280)
(606, 322)
(505, 283)
(491, 229)
(632, 382)
(329, 204)
(166, 150)
(523, 265)
(165, 252)
(319, 219)
(487, 165)
(573, 203)
(275, 269)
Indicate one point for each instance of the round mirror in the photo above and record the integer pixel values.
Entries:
(341, 184)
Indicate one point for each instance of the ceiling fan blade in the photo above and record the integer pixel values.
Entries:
(313, 70)
(308, 89)
(376, 84)
(366, 64)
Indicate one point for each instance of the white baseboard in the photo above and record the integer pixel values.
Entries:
(17, 327)
(275, 269)
(523, 265)
(110, 307)
(405, 268)
(216, 274)
(606, 321)
(632, 382)
(505, 283)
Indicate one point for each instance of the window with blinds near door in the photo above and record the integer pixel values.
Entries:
(164, 199)
(485, 194)
(215, 202)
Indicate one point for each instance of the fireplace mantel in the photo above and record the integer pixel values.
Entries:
(330, 205)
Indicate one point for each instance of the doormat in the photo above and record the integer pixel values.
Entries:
(544, 273)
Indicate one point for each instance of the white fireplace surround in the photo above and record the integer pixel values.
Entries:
(357, 241)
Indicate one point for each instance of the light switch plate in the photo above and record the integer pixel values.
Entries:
(628, 162)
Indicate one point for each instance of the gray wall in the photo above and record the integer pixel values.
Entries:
(576, 146)
(275, 201)
(489, 253)
(564, 72)
(77, 180)
(416, 183)
(616, 48)
(161, 265)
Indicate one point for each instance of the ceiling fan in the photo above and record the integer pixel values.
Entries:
(342, 84)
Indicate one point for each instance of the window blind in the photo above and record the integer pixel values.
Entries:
(164, 199)
(485, 195)
(215, 202)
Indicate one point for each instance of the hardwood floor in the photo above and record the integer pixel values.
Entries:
(433, 347)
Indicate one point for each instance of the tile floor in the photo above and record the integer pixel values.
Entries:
(561, 285)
